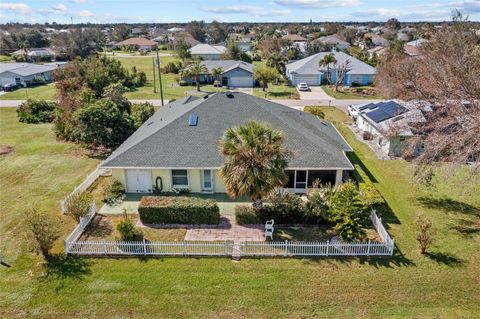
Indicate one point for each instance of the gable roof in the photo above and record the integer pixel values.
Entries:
(167, 141)
(310, 65)
(294, 37)
(204, 48)
(227, 65)
(26, 69)
(137, 41)
(333, 39)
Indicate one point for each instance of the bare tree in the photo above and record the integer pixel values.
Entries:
(342, 69)
(445, 74)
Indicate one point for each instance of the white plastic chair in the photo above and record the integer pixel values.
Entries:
(269, 229)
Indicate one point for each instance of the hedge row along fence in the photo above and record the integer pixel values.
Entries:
(178, 210)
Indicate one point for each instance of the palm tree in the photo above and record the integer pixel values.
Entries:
(277, 61)
(217, 72)
(326, 61)
(255, 161)
(194, 70)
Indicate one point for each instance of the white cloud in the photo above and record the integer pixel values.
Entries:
(16, 7)
(78, 1)
(60, 7)
(317, 4)
(84, 13)
(255, 11)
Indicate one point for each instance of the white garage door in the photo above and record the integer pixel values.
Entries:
(139, 181)
(309, 79)
(241, 81)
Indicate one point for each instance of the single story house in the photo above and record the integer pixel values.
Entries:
(294, 38)
(235, 73)
(207, 52)
(138, 43)
(36, 54)
(388, 124)
(24, 74)
(378, 50)
(309, 70)
(334, 41)
(178, 146)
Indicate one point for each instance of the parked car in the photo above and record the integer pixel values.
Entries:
(303, 87)
(10, 87)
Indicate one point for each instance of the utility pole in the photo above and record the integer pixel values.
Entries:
(154, 82)
(159, 76)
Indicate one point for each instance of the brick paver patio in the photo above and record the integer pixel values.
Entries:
(227, 230)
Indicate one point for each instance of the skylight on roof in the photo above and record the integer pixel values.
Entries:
(192, 120)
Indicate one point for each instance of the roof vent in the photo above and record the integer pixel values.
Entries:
(229, 94)
(192, 120)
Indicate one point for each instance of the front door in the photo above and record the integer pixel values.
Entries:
(207, 180)
(139, 181)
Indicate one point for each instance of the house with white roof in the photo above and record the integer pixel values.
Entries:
(25, 73)
(388, 123)
(310, 71)
(234, 73)
(207, 52)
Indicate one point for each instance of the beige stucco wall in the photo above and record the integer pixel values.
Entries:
(194, 179)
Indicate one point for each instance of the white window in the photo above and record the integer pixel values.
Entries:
(179, 178)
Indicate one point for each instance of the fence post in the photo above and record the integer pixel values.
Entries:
(328, 245)
(144, 248)
(184, 248)
(225, 248)
(104, 247)
(286, 244)
(368, 250)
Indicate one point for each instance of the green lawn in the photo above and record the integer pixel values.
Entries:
(350, 94)
(277, 92)
(43, 92)
(444, 285)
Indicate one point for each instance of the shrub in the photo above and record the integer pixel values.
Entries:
(113, 192)
(140, 79)
(183, 83)
(284, 208)
(316, 211)
(162, 47)
(315, 110)
(178, 210)
(425, 232)
(171, 67)
(78, 205)
(348, 212)
(245, 215)
(127, 229)
(44, 229)
(372, 197)
(141, 112)
(36, 111)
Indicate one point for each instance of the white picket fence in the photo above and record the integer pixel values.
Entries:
(227, 248)
(87, 182)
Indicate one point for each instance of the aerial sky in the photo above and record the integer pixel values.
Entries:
(105, 11)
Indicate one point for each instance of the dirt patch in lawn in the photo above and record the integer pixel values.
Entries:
(315, 233)
(103, 227)
(5, 150)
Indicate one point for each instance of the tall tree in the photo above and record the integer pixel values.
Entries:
(277, 61)
(327, 60)
(217, 31)
(197, 30)
(445, 74)
(265, 75)
(217, 72)
(194, 70)
(255, 161)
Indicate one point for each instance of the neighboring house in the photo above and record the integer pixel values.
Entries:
(36, 54)
(244, 46)
(138, 43)
(294, 38)
(412, 48)
(335, 41)
(25, 74)
(308, 70)
(207, 51)
(235, 73)
(376, 50)
(377, 40)
(388, 124)
(178, 146)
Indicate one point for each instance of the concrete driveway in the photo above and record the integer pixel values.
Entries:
(315, 93)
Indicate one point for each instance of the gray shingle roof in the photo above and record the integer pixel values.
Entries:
(167, 141)
(227, 65)
(26, 69)
(203, 48)
(310, 65)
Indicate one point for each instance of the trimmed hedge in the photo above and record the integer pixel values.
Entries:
(178, 210)
(245, 215)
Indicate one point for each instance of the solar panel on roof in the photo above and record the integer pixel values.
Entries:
(192, 120)
(385, 111)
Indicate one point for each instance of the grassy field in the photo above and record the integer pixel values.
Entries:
(444, 284)
(349, 95)
(43, 92)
